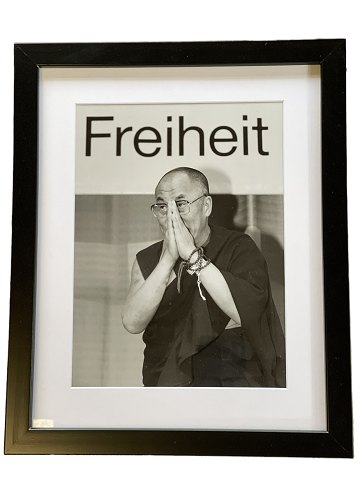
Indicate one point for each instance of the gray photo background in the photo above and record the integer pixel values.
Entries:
(109, 230)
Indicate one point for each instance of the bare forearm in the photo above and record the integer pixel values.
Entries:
(218, 289)
(141, 305)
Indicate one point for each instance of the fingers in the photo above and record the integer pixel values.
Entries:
(177, 232)
(178, 226)
(168, 219)
(181, 232)
(175, 210)
(176, 218)
(170, 225)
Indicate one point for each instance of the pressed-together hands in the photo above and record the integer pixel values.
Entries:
(145, 295)
(178, 240)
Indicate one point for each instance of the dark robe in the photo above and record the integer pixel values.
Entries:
(185, 324)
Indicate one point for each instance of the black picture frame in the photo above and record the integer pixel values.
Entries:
(337, 440)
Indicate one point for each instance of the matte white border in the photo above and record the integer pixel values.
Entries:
(302, 405)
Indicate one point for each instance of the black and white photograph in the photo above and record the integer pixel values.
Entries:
(179, 246)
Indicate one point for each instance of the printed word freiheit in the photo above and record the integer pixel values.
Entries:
(148, 141)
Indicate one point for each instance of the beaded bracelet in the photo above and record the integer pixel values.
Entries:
(187, 264)
(201, 263)
(200, 253)
(193, 267)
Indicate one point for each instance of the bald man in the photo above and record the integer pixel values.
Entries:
(202, 297)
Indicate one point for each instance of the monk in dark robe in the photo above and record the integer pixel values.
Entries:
(202, 297)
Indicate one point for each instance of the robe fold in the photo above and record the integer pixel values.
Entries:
(184, 323)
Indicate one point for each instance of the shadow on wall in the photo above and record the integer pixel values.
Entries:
(226, 211)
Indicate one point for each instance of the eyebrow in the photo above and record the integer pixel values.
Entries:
(160, 199)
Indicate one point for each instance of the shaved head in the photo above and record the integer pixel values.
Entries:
(194, 175)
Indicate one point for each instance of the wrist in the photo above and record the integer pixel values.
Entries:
(167, 261)
(199, 265)
(194, 256)
(190, 252)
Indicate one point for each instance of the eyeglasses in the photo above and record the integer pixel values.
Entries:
(160, 209)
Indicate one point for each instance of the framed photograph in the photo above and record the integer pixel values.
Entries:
(179, 259)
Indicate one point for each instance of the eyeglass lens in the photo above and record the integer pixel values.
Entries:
(160, 209)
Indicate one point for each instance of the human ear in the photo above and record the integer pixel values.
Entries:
(208, 206)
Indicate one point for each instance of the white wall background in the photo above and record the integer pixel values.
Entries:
(160, 20)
